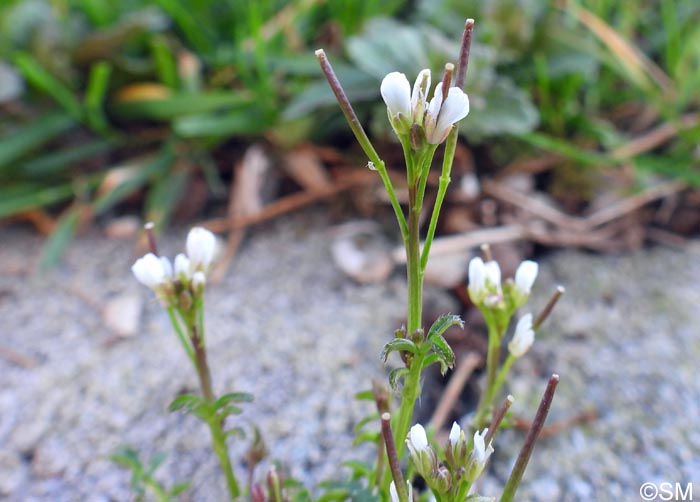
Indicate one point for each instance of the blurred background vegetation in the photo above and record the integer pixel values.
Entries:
(101, 101)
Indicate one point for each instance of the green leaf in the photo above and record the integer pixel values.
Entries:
(55, 162)
(431, 359)
(165, 194)
(368, 419)
(127, 457)
(234, 397)
(142, 169)
(186, 402)
(401, 344)
(227, 410)
(61, 236)
(26, 139)
(190, 403)
(155, 462)
(47, 83)
(442, 348)
(443, 323)
(563, 147)
(246, 121)
(14, 200)
(178, 489)
(395, 378)
(358, 469)
(365, 395)
(499, 108)
(235, 431)
(367, 437)
(182, 104)
(166, 67)
(98, 81)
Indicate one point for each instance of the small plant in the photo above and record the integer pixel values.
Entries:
(422, 123)
(142, 476)
(180, 289)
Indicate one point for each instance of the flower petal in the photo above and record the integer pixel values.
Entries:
(200, 246)
(396, 92)
(454, 109)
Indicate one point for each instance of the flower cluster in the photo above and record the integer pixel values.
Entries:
(176, 283)
(407, 109)
(485, 286)
(463, 463)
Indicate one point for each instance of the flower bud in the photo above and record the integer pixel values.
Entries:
(182, 267)
(185, 301)
(418, 440)
(274, 485)
(422, 454)
(524, 279)
(525, 276)
(458, 446)
(479, 456)
(523, 338)
(199, 280)
(151, 271)
(200, 246)
(477, 280)
(440, 480)
(395, 495)
(396, 92)
(493, 274)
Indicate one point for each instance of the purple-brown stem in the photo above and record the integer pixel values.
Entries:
(463, 61)
(542, 316)
(148, 228)
(498, 418)
(346, 107)
(396, 473)
(516, 474)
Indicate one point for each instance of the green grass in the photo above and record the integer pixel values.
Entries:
(113, 83)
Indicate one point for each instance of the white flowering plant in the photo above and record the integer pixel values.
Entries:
(423, 118)
(180, 289)
(422, 123)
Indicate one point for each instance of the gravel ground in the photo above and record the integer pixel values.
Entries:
(287, 326)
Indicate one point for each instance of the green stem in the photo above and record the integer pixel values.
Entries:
(158, 491)
(181, 334)
(492, 359)
(218, 438)
(448, 159)
(414, 274)
(463, 490)
(501, 377)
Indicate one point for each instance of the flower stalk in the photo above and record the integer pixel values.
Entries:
(181, 291)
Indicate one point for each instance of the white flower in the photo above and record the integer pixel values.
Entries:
(419, 96)
(493, 273)
(167, 267)
(481, 453)
(198, 281)
(182, 266)
(395, 495)
(477, 276)
(455, 434)
(523, 338)
(200, 246)
(396, 92)
(442, 115)
(151, 271)
(418, 438)
(525, 276)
